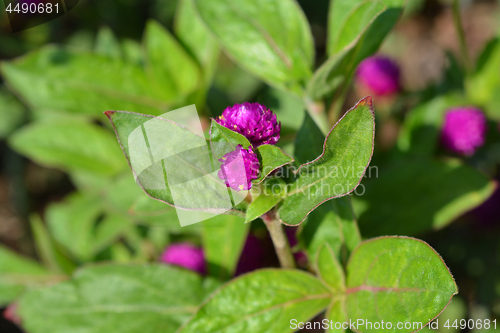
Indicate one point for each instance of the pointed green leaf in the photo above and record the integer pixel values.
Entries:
(169, 160)
(78, 82)
(338, 70)
(270, 39)
(168, 63)
(47, 249)
(263, 301)
(270, 158)
(195, 37)
(439, 193)
(72, 223)
(223, 239)
(223, 140)
(397, 279)
(348, 19)
(347, 151)
(73, 145)
(114, 298)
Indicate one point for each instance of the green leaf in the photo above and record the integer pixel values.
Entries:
(270, 158)
(338, 170)
(329, 270)
(72, 222)
(223, 140)
(114, 298)
(52, 78)
(263, 301)
(194, 35)
(170, 160)
(108, 231)
(338, 70)
(337, 313)
(168, 64)
(106, 44)
(270, 39)
(48, 250)
(483, 85)
(270, 194)
(223, 239)
(397, 279)
(12, 113)
(332, 223)
(439, 193)
(309, 141)
(70, 145)
(17, 273)
(348, 19)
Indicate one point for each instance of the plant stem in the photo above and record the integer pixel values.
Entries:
(279, 239)
(457, 20)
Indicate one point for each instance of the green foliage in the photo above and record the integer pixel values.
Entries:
(16, 273)
(346, 154)
(270, 39)
(223, 239)
(71, 145)
(83, 83)
(404, 274)
(115, 298)
(12, 113)
(263, 301)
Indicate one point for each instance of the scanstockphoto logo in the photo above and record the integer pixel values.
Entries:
(25, 14)
(171, 159)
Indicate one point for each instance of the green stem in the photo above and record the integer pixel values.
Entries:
(280, 240)
(457, 20)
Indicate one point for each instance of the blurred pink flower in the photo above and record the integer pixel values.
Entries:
(11, 315)
(464, 130)
(379, 74)
(185, 255)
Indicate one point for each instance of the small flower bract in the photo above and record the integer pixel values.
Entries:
(252, 120)
(239, 168)
(464, 130)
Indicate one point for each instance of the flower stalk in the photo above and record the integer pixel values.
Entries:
(279, 239)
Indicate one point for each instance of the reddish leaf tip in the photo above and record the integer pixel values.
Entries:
(366, 101)
(109, 113)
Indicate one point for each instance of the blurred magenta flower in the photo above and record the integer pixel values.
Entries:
(185, 255)
(11, 315)
(300, 256)
(379, 74)
(252, 120)
(464, 130)
(239, 168)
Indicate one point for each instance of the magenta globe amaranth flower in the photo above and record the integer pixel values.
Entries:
(185, 255)
(239, 168)
(252, 120)
(379, 74)
(464, 130)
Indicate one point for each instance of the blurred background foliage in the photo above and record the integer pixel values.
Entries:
(67, 196)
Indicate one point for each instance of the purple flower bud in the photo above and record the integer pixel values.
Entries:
(252, 120)
(238, 168)
(464, 130)
(185, 255)
(379, 74)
